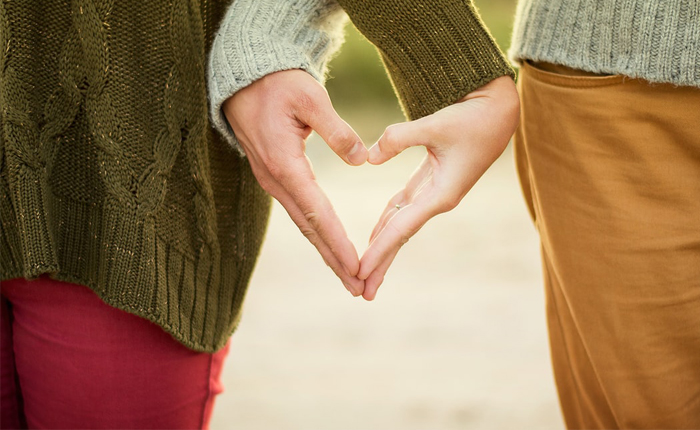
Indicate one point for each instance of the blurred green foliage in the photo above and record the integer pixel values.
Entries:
(360, 88)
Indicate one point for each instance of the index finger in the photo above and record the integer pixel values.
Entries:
(397, 231)
(300, 184)
(352, 283)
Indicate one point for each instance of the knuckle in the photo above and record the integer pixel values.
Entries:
(265, 182)
(448, 204)
(431, 125)
(402, 235)
(309, 233)
(313, 218)
(341, 139)
(437, 130)
(390, 137)
(317, 91)
(276, 171)
(307, 100)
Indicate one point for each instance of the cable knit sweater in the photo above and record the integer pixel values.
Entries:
(111, 174)
(655, 40)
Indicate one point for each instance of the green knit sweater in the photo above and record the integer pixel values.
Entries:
(111, 174)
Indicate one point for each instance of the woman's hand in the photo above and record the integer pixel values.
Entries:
(271, 119)
(462, 141)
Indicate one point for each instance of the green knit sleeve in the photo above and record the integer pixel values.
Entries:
(436, 51)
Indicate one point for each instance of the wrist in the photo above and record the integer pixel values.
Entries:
(502, 94)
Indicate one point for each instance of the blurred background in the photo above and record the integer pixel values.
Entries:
(456, 337)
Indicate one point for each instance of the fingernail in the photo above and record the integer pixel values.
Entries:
(374, 151)
(350, 289)
(358, 154)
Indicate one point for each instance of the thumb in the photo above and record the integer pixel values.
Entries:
(398, 137)
(340, 137)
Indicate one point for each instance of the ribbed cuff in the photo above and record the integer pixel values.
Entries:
(436, 52)
(259, 37)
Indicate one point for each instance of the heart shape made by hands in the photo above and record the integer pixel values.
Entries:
(273, 117)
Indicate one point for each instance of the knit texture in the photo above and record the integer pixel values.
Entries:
(436, 52)
(111, 174)
(658, 41)
(259, 37)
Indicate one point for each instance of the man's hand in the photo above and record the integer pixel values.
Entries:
(462, 141)
(272, 119)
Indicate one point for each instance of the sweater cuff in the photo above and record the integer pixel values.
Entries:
(435, 54)
(260, 37)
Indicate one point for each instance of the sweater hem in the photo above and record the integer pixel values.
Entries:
(116, 303)
(658, 42)
(122, 258)
(517, 58)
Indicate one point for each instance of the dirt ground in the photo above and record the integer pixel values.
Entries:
(455, 339)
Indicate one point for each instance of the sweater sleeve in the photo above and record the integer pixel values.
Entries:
(259, 37)
(436, 51)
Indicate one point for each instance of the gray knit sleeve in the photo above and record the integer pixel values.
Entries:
(259, 37)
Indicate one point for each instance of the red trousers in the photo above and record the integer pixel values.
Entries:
(69, 361)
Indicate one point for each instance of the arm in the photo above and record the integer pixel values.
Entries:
(266, 109)
(457, 88)
(462, 142)
(436, 51)
(261, 37)
(449, 34)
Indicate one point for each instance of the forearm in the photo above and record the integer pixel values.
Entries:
(436, 52)
(260, 37)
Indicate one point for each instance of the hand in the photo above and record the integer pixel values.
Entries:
(462, 141)
(272, 119)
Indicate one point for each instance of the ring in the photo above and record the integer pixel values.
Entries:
(398, 207)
